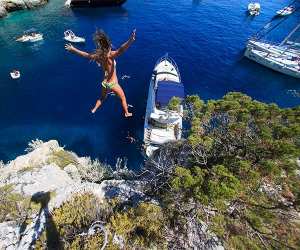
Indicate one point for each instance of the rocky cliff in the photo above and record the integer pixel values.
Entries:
(52, 199)
(49, 176)
(13, 5)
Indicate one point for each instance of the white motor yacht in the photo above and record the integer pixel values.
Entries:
(162, 124)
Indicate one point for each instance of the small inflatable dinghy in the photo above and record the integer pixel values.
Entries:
(71, 37)
(15, 74)
(30, 36)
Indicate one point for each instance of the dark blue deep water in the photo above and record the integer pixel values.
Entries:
(53, 98)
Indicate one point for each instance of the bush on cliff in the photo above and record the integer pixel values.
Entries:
(238, 166)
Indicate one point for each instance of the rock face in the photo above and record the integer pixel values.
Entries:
(43, 181)
(13, 5)
(3, 11)
(40, 172)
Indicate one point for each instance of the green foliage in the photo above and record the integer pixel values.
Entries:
(243, 143)
(72, 218)
(62, 158)
(174, 103)
(222, 184)
(240, 242)
(196, 103)
(141, 227)
(87, 243)
(13, 206)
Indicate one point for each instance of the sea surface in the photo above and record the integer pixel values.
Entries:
(57, 90)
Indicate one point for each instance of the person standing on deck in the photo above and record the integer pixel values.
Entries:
(105, 57)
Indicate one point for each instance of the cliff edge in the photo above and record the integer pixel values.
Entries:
(13, 5)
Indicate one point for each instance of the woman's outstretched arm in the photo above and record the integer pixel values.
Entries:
(124, 46)
(76, 51)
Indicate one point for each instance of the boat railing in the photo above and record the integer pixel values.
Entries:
(171, 60)
(255, 39)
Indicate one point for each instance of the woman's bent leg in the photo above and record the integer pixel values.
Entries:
(101, 100)
(119, 91)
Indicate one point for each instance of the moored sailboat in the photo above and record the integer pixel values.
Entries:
(162, 124)
(283, 58)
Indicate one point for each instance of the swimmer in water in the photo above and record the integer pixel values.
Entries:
(105, 57)
(130, 138)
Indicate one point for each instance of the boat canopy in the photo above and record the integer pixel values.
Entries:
(166, 90)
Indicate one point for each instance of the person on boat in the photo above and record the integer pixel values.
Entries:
(105, 57)
(16, 72)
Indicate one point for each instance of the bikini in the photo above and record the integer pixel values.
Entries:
(105, 84)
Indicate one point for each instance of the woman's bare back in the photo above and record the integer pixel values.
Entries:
(109, 68)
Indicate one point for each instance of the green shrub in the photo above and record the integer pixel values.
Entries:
(72, 218)
(62, 158)
(244, 143)
(174, 103)
(141, 227)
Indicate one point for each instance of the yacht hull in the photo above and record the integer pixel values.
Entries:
(274, 62)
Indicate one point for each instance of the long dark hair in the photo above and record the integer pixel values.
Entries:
(102, 43)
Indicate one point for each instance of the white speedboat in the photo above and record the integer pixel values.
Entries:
(71, 37)
(30, 36)
(283, 63)
(161, 124)
(286, 11)
(254, 9)
(15, 74)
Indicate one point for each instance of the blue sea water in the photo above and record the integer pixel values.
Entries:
(53, 98)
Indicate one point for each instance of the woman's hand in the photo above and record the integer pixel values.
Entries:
(132, 36)
(69, 47)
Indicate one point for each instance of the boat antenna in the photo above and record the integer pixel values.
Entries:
(259, 34)
(289, 35)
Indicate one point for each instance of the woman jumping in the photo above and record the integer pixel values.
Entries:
(105, 58)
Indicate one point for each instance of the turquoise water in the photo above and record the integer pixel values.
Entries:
(53, 98)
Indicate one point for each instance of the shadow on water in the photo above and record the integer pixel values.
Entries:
(52, 235)
(100, 12)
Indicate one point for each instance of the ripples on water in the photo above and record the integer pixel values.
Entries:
(53, 98)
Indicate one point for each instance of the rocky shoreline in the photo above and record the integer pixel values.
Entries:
(49, 182)
(48, 169)
(7, 6)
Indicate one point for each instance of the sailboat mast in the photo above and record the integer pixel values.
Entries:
(289, 35)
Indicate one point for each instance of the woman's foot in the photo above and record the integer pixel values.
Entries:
(97, 105)
(128, 114)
